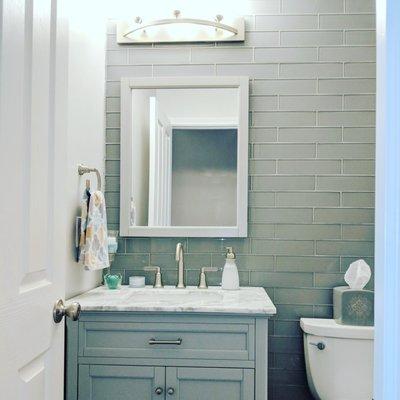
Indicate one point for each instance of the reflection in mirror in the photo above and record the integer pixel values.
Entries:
(184, 157)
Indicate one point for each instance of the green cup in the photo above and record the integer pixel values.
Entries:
(113, 280)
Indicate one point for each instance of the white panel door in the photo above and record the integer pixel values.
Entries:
(33, 61)
(160, 166)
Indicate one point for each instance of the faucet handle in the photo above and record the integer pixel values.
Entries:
(203, 278)
(158, 278)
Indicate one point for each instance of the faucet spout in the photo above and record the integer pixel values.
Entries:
(181, 266)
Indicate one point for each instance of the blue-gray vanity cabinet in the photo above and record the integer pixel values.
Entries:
(111, 355)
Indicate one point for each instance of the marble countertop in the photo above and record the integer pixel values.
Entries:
(246, 300)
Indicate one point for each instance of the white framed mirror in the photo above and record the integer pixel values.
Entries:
(184, 156)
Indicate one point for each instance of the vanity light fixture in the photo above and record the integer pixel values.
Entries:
(180, 29)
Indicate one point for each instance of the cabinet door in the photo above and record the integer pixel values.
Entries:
(209, 383)
(117, 382)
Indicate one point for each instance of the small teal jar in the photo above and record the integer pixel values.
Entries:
(113, 281)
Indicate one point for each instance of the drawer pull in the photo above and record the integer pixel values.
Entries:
(177, 342)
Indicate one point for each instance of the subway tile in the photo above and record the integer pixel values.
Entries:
(289, 328)
(159, 56)
(112, 120)
(346, 261)
(294, 311)
(345, 248)
(347, 21)
(112, 183)
(166, 245)
(360, 37)
(283, 182)
(290, 345)
(281, 215)
(207, 245)
(197, 260)
(285, 54)
(262, 39)
(282, 118)
(112, 199)
(261, 167)
(360, 69)
(303, 296)
(112, 167)
(255, 262)
(284, 150)
(112, 104)
(359, 135)
(137, 245)
(112, 136)
(345, 183)
(117, 57)
(310, 103)
(281, 279)
(308, 263)
(183, 70)
(311, 70)
(307, 199)
(323, 311)
(263, 6)
(311, 38)
(265, 231)
(346, 86)
(290, 392)
(346, 118)
(360, 6)
(308, 166)
(256, 71)
(345, 150)
(343, 215)
(310, 135)
(284, 86)
(359, 102)
(329, 280)
(263, 103)
(222, 55)
(358, 232)
(262, 135)
(307, 232)
(359, 167)
(112, 215)
(113, 89)
(112, 151)
(354, 199)
(131, 261)
(286, 22)
(311, 6)
(116, 72)
(347, 53)
(283, 247)
(163, 260)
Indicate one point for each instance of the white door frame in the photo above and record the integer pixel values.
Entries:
(387, 206)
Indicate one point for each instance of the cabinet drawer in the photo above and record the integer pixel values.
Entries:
(217, 341)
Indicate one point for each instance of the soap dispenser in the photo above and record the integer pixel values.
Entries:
(230, 275)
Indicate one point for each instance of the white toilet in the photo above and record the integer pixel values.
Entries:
(339, 359)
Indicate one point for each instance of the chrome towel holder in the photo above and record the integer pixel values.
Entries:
(83, 169)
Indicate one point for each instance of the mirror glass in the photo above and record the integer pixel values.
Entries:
(184, 157)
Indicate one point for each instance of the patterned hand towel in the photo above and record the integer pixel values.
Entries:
(95, 254)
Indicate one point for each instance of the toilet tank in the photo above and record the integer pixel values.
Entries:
(341, 366)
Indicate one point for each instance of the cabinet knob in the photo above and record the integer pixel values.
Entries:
(158, 390)
(170, 391)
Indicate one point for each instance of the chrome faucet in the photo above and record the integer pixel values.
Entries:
(181, 266)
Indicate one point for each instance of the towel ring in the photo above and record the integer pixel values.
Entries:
(83, 169)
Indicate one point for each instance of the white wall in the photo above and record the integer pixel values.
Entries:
(85, 122)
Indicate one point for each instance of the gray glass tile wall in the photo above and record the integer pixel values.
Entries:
(311, 65)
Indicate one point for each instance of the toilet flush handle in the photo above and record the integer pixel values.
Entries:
(319, 345)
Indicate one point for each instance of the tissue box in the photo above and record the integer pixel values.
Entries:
(353, 307)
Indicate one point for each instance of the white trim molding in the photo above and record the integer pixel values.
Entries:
(387, 227)
(127, 188)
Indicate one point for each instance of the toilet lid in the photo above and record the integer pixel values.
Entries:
(330, 328)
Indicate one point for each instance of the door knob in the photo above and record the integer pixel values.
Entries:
(171, 391)
(158, 390)
(72, 311)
